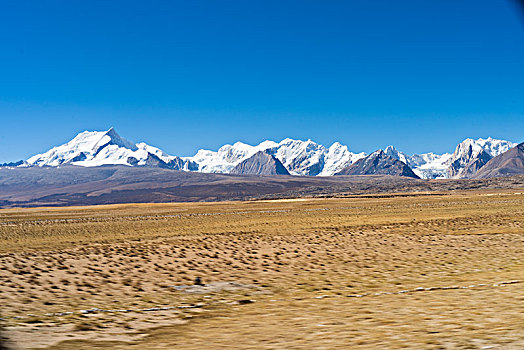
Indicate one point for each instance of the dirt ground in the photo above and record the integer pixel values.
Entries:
(435, 270)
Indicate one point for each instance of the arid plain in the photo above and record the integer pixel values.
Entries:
(423, 270)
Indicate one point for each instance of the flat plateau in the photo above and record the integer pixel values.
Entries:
(411, 270)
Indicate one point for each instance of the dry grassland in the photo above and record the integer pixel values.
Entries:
(350, 273)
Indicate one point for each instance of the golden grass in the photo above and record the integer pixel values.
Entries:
(128, 256)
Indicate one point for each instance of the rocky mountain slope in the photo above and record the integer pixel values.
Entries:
(506, 164)
(260, 163)
(378, 163)
(470, 155)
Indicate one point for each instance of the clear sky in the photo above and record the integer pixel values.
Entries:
(183, 75)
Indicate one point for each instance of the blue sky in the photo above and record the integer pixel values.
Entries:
(183, 75)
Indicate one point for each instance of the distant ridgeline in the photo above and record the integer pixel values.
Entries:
(287, 157)
(20, 162)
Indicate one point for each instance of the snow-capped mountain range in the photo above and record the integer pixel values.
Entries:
(469, 156)
(305, 158)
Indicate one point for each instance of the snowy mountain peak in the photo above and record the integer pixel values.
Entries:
(111, 137)
(395, 154)
(267, 144)
(338, 157)
(94, 148)
(86, 142)
(490, 145)
(116, 139)
(470, 155)
(337, 145)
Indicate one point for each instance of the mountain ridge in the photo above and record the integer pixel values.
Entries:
(260, 163)
(506, 164)
(302, 158)
(378, 163)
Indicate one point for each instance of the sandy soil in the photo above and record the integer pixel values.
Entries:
(420, 271)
